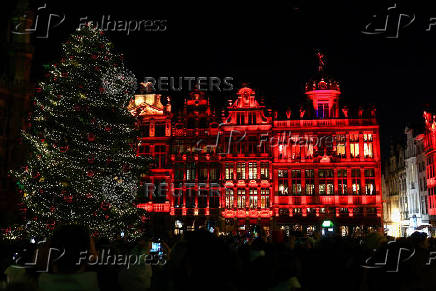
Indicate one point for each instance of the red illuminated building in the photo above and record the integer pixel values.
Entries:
(430, 152)
(247, 166)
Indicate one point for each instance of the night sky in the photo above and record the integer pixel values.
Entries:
(271, 46)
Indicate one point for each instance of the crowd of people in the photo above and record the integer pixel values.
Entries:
(201, 260)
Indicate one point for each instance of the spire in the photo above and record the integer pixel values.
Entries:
(323, 91)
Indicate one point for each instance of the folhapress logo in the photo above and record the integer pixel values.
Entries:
(394, 20)
(44, 21)
(389, 24)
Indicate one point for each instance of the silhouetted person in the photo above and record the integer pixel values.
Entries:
(70, 249)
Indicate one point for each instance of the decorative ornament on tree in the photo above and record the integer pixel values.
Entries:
(91, 137)
(51, 226)
(64, 149)
(68, 198)
(104, 206)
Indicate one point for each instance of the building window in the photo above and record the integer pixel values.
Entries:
(203, 123)
(309, 147)
(229, 171)
(264, 198)
(367, 145)
(251, 145)
(191, 123)
(159, 129)
(355, 179)
(178, 172)
(160, 155)
(424, 204)
(252, 170)
(263, 147)
(145, 130)
(240, 118)
(369, 181)
(282, 153)
(202, 174)
(238, 147)
(341, 146)
(295, 147)
(178, 196)
(240, 171)
(264, 171)
(229, 198)
(241, 198)
(160, 187)
(354, 145)
(325, 182)
(283, 182)
(253, 198)
(190, 171)
(213, 173)
(342, 181)
(178, 147)
(309, 177)
(143, 149)
(323, 110)
(296, 182)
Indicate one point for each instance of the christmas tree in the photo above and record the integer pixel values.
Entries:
(83, 168)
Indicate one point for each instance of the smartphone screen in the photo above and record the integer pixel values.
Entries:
(155, 247)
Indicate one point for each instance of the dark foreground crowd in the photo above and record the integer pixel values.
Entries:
(200, 260)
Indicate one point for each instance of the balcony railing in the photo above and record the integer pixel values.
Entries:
(323, 122)
(327, 200)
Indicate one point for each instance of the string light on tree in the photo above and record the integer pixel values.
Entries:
(82, 168)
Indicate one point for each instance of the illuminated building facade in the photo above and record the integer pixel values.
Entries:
(416, 186)
(430, 152)
(395, 192)
(247, 166)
